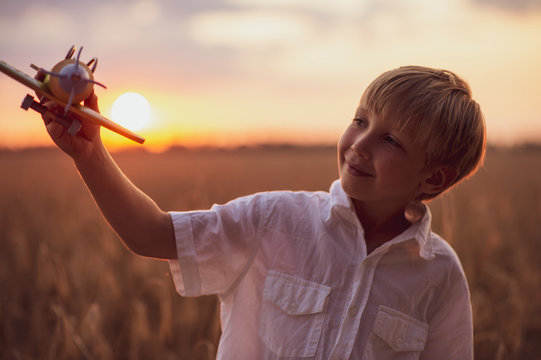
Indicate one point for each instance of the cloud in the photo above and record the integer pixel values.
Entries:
(38, 23)
(145, 12)
(518, 6)
(123, 25)
(328, 8)
(248, 28)
(354, 39)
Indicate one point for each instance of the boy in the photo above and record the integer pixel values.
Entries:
(355, 273)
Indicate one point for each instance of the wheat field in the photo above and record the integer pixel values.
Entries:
(71, 290)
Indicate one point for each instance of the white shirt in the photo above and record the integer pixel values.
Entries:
(295, 281)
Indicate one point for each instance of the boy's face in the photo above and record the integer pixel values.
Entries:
(378, 164)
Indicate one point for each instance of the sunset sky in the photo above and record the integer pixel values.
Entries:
(230, 72)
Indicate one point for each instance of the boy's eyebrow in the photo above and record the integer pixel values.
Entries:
(361, 111)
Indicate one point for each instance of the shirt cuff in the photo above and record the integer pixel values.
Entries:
(184, 269)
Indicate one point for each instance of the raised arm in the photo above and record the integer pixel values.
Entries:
(135, 217)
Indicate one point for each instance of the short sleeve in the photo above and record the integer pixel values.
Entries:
(215, 247)
(451, 328)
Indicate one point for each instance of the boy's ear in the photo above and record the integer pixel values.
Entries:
(439, 179)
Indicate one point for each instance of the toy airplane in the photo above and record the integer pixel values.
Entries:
(68, 83)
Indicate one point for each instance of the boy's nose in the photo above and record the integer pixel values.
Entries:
(361, 146)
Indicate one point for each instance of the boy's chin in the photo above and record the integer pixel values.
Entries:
(349, 189)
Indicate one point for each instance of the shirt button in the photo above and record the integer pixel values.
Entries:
(353, 310)
(293, 306)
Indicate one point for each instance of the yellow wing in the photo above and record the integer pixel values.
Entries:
(82, 111)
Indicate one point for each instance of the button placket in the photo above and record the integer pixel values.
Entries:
(350, 326)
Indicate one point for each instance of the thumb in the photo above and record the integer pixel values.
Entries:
(92, 102)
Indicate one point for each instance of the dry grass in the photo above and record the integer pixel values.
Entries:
(72, 291)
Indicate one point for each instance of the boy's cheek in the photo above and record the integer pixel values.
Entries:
(341, 164)
(348, 188)
(343, 145)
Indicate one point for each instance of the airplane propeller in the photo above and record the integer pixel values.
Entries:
(71, 79)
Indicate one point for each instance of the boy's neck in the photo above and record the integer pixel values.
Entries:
(380, 224)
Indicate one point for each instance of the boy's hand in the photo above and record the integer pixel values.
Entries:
(87, 139)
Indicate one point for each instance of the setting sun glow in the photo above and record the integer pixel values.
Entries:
(246, 72)
(132, 111)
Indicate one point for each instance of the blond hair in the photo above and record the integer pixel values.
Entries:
(437, 109)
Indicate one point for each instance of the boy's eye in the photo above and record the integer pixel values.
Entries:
(392, 141)
(360, 122)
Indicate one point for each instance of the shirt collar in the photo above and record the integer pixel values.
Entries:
(341, 206)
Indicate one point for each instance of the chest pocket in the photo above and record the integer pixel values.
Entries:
(292, 315)
(396, 335)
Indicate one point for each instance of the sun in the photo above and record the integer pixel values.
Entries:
(132, 111)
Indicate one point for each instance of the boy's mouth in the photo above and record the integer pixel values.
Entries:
(356, 170)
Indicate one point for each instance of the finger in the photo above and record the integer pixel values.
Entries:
(40, 75)
(53, 114)
(92, 102)
(47, 118)
(55, 130)
(53, 107)
(54, 111)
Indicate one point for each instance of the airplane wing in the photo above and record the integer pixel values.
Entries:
(23, 78)
(82, 111)
(87, 113)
